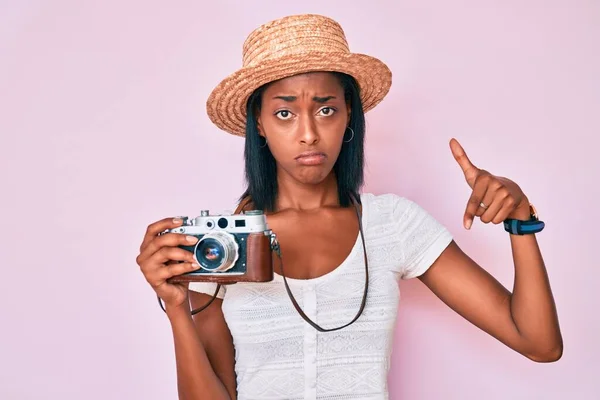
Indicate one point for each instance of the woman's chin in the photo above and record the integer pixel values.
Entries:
(313, 177)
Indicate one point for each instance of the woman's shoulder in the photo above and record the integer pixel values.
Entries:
(402, 219)
(388, 202)
(394, 207)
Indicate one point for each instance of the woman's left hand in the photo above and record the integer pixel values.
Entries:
(493, 198)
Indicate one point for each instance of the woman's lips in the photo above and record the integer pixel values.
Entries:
(311, 158)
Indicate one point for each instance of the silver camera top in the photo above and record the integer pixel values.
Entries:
(247, 222)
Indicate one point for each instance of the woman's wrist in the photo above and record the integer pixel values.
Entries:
(522, 212)
(178, 312)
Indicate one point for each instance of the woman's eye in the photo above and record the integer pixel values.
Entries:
(326, 111)
(283, 114)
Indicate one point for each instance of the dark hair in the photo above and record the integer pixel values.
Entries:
(261, 168)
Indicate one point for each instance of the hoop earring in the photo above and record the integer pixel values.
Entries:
(264, 145)
(352, 137)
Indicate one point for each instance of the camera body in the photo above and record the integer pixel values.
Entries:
(231, 247)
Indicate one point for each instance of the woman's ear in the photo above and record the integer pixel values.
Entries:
(259, 125)
(349, 111)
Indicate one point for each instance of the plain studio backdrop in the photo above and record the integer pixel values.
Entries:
(104, 130)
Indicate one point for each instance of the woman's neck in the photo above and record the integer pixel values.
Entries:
(292, 194)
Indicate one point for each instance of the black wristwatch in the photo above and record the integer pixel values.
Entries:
(520, 227)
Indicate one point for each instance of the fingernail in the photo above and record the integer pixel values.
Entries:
(191, 239)
(468, 223)
(177, 220)
(195, 265)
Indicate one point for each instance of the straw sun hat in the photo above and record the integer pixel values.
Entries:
(289, 46)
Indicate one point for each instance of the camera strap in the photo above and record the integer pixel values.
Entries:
(197, 310)
(275, 247)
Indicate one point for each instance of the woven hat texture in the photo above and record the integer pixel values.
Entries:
(290, 46)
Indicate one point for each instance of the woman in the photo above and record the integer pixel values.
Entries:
(299, 101)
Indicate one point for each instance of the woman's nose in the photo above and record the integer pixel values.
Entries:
(308, 131)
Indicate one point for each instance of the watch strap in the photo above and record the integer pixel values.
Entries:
(519, 227)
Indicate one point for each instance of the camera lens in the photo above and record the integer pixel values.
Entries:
(210, 254)
(217, 252)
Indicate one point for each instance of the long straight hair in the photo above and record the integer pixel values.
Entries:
(261, 167)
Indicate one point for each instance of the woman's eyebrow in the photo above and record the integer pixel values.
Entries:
(316, 98)
(323, 99)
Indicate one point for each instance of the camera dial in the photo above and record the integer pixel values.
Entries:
(253, 212)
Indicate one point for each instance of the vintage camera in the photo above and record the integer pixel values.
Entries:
(231, 247)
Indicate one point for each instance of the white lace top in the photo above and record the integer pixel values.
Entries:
(280, 356)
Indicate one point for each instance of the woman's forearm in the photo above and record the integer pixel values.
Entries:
(195, 376)
(532, 304)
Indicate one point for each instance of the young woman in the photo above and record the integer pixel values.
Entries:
(299, 101)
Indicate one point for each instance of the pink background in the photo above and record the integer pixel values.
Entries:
(103, 130)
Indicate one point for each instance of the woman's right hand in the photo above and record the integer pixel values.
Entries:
(160, 258)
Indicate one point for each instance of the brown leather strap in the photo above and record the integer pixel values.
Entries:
(364, 299)
(245, 201)
(197, 310)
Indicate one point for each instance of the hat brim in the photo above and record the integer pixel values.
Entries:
(226, 105)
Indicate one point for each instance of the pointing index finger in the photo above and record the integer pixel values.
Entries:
(463, 161)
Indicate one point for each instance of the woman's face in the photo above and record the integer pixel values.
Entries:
(304, 119)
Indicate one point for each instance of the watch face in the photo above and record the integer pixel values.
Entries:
(533, 211)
